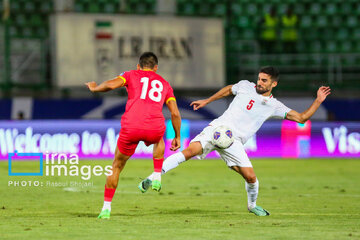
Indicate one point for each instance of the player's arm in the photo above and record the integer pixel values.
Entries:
(224, 92)
(176, 122)
(107, 85)
(322, 93)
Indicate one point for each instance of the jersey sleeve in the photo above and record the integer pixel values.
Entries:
(125, 76)
(241, 86)
(169, 95)
(280, 110)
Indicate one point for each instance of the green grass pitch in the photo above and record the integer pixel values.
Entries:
(308, 199)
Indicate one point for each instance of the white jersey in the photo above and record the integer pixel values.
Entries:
(249, 110)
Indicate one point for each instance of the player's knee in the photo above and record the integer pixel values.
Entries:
(250, 178)
(193, 150)
(189, 153)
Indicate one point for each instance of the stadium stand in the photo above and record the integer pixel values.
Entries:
(328, 33)
(327, 46)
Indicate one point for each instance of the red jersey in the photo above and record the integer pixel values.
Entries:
(147, 93)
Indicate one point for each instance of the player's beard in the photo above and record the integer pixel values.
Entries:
(261, 90)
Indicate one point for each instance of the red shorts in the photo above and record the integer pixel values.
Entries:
(130, 138)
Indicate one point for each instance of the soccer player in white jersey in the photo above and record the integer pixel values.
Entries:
(252, 106)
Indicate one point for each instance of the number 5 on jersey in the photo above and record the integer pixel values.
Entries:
(250, 105)
(156, 87)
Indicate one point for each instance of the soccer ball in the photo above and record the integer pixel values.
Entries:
(222, 137)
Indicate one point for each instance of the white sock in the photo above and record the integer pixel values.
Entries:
(252, 190)
(107, 205)
(151, 177)
(171, 162)
(156, 176)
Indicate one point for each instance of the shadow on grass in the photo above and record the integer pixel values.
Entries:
(131, 213)
(88, 215)
(187, 211)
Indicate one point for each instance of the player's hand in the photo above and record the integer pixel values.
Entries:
(322, 93)
(199, 104)
(175, 144)
(91, 86)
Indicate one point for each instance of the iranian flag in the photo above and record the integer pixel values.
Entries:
(103, 30)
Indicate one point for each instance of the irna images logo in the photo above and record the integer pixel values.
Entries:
(58, 165)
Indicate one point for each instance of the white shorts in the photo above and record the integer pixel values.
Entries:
(235, 155)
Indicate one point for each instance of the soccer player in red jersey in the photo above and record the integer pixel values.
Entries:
(142, 121)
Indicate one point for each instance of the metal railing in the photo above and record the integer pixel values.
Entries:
(305, 71)
(2, 55)
(22, 61)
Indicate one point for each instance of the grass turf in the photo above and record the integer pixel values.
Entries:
(308, 199)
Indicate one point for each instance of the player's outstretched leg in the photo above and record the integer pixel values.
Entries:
(144, 185)
(172, 162)
(112, 182)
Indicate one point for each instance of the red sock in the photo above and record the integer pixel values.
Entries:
(158, 162)
(109, 194)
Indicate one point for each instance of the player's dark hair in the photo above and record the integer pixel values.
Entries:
(148, 60)
(273, 72)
